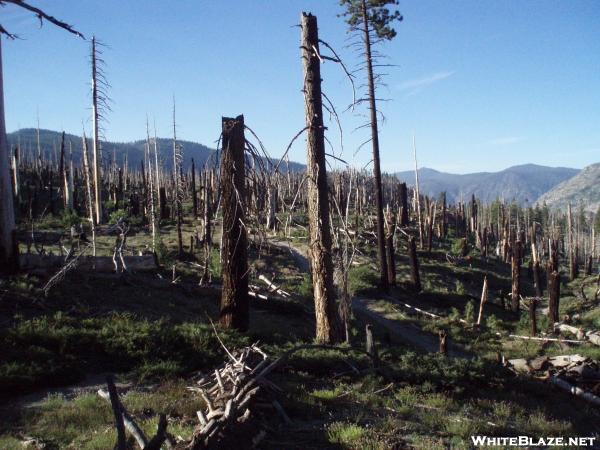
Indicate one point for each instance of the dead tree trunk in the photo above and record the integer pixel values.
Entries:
(328, 327)
(443, 335)
(371, 348)
(234, 298)
(207, 238)
(194, 196)
(532, 317)
(444, 216)
(403, 205)
(414, 264)
(178, 182)
(572, 254)
(553, 296)
(389, 243)
(9, 250)
(484, 296)
(516, 276)
(97, 160)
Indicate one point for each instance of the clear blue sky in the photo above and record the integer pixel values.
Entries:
(483, 84)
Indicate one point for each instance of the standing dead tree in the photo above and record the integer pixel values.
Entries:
(99, 106)
(553, 296)
(234, 299)
(327, 323)
(177, 180)
(88, 192)
(516, 275)
(414, 264)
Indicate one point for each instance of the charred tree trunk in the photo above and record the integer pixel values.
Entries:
(516, 276)
(162, 200)
(414, 264)
(403, 205)
(234, 299)
(532, 317)
(443, 335)
(9, 250)
(537, 279)
(553, 296)
(390, 253)
(328, 327)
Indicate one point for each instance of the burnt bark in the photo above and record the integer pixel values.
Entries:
(553, 296)
(414, 264)
(532, 317)
(403, 205)
(443, 335)
(9, 251)
(516, 276)
(234, 299)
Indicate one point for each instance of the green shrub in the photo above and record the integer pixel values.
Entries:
(460, 287)
(116, 215)
(305, 288)
(470, 312)
(344, 433)
(58, 349)
(122, 214)
(460, 247)
(70, 218)
(361, 279)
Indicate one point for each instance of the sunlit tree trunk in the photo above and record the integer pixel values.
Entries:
(328, 327)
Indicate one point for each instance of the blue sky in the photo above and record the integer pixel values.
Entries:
(483, 85)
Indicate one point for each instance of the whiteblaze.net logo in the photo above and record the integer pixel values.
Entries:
(527, 441)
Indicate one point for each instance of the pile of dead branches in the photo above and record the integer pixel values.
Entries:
(576, 374)
(226, 420)
(228, 393)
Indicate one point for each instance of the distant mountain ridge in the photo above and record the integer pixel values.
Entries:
(50, 145)
(583, 189)
(524, 183)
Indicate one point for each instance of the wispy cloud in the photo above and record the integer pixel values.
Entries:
(506, 140)
(416, 85)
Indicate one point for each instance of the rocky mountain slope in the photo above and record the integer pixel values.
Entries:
(524, 183)
(583, 188)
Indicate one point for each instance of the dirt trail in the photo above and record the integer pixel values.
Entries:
(402, 331)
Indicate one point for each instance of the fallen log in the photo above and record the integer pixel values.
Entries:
(578, 332)
(533, 364)
(546, 339)
(161, 433)
(576, 391)
(593, 337)
(273, 287)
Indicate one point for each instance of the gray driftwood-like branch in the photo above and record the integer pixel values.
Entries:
(41, 15)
